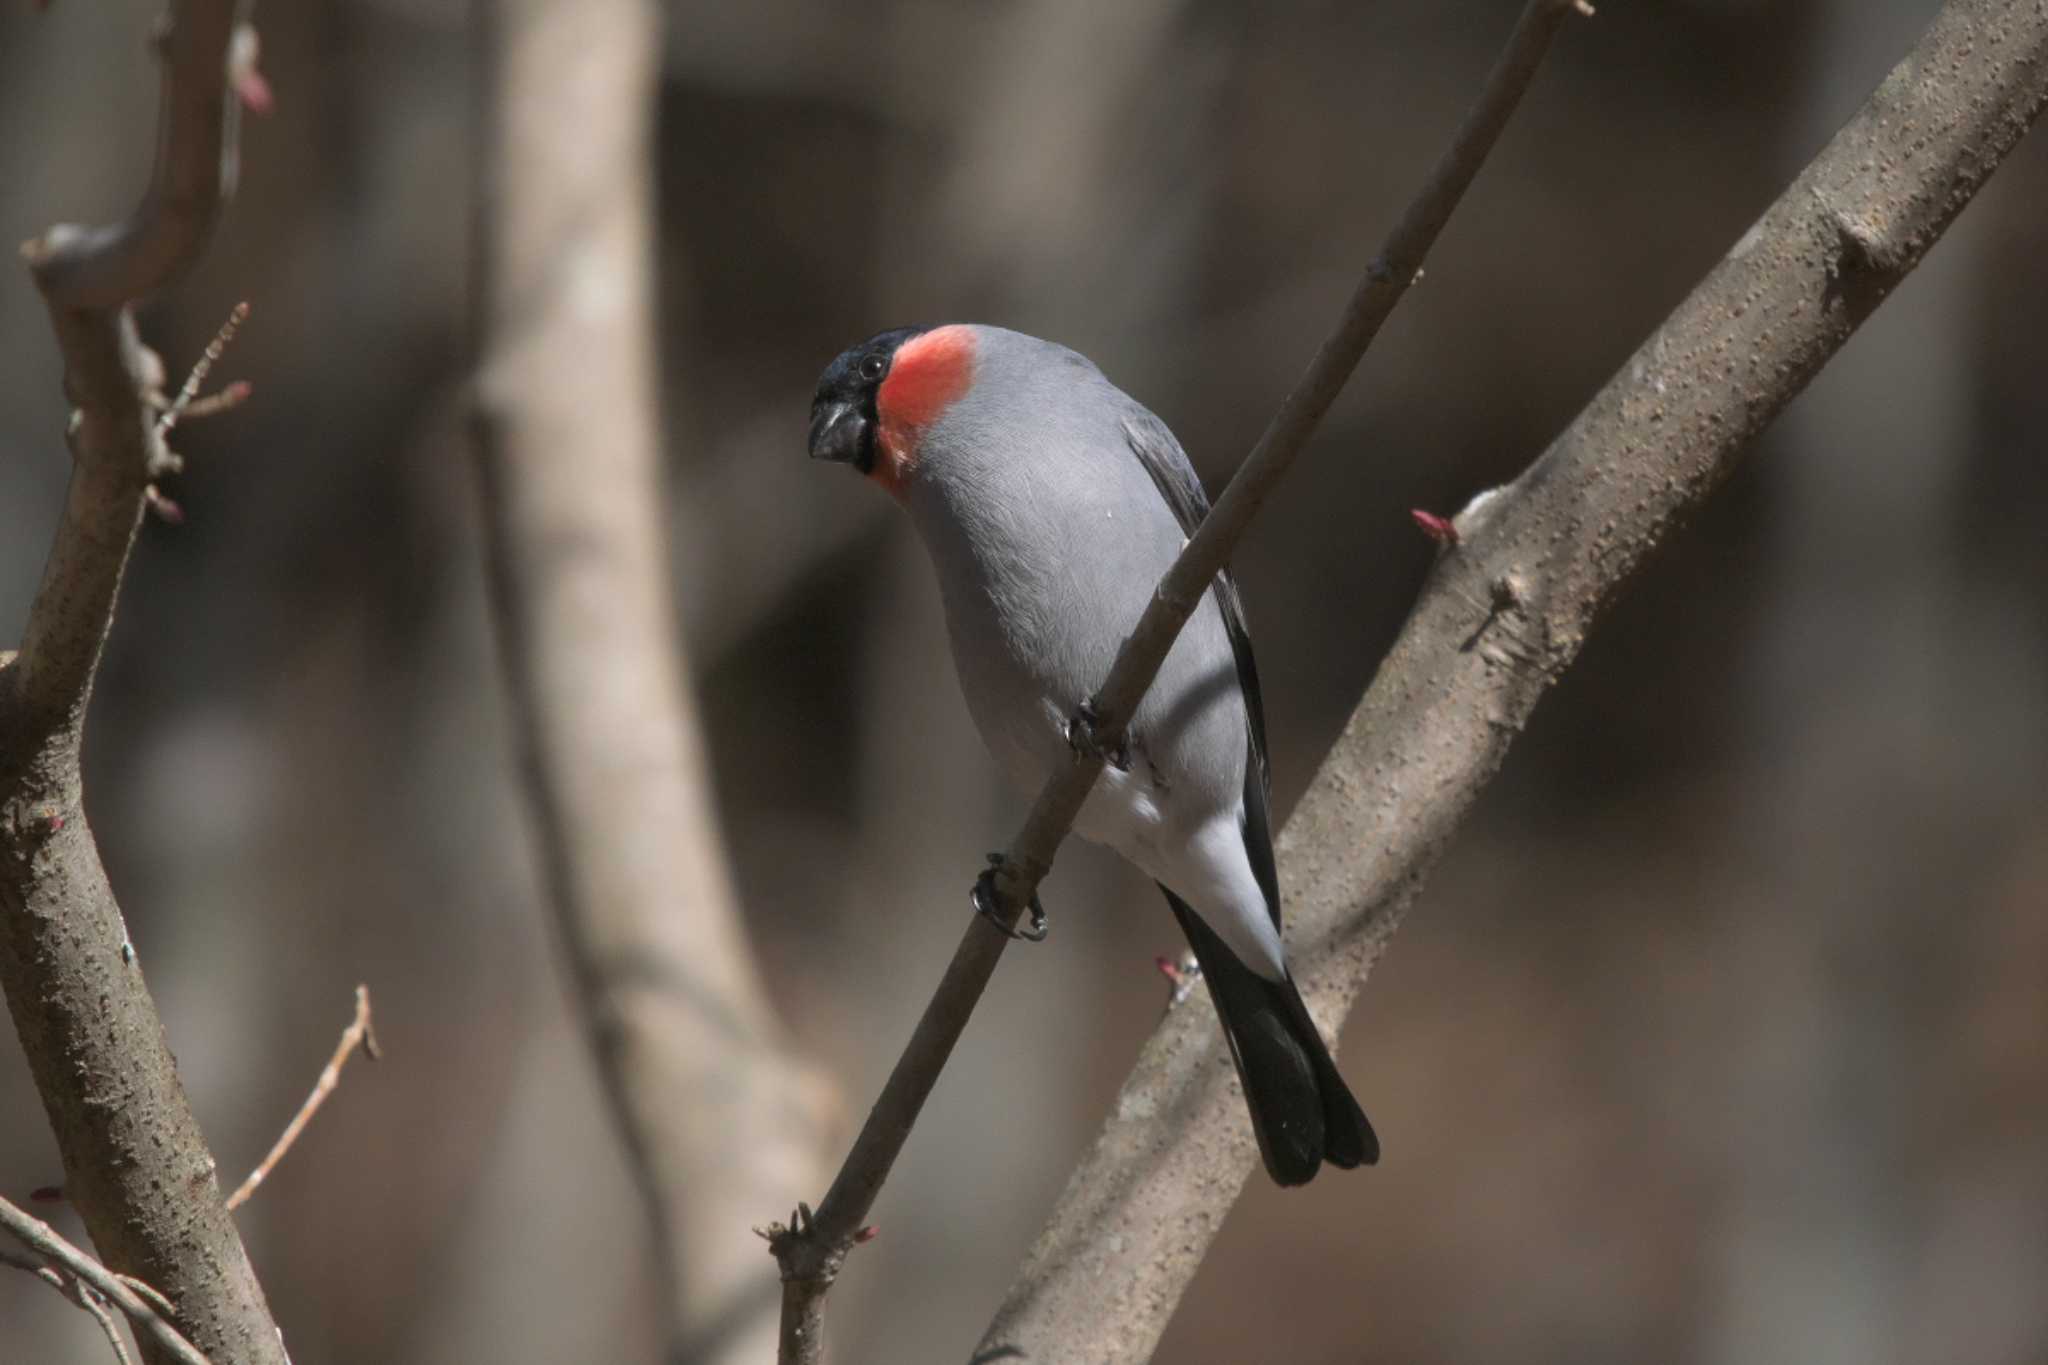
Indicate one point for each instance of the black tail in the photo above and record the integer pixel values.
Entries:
(1301, 1109)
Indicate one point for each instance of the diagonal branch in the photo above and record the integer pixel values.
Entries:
(77, 1293)
(810, 1254)
(69, 1268)
(1505, 612)
(136, 1165)
(358, 1034)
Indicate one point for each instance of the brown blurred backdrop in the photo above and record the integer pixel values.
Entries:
(1722, 1033)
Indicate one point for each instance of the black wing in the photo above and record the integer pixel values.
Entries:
(1175, 479)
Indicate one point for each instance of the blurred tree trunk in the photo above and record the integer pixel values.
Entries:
(1818, 1244)
(722, 1127)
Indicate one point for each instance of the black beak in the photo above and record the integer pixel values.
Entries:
(839, 433)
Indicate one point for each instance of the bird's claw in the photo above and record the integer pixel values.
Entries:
(1083, 737)
(984, 899)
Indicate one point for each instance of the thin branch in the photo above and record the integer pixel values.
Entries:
(225, 399)
(810, 1257)
(358, 1034)
(78, 1294)
(88, 1298)
(136, 1164)
(187, 403)
(1505, 611)
(81, 1279)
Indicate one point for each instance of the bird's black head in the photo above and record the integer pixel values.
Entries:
(843, 418)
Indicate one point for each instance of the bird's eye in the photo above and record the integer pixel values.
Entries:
(871, 367)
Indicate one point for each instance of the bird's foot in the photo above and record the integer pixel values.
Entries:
(1084, 737)
(983, 897)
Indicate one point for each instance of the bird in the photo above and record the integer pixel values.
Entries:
(1050, 503)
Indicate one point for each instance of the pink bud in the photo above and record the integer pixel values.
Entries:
(1439, 529)
(167, 511)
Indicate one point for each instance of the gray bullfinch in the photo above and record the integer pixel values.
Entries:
(1051, 502)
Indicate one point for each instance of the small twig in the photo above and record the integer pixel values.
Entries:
(183, 405)
(810, 1256)
(78, 1293)
(91, 1286)
(226, 399)
(86, 1297)
(357, 1034)
(89, 1300)
(155, 1300)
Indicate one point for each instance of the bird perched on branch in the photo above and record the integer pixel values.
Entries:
(1051, 503)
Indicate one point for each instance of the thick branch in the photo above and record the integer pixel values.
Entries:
(812, 1255)
(1503, 615)
(719, 1120)
(104, 268)
(136, 1165)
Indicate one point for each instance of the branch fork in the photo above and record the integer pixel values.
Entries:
(136, 1164)
(93, 1288)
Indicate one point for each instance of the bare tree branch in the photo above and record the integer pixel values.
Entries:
(88, 1298)
(1504, 614)
(79, 1294)
(811, 1251)
(718, 1119)
(198, 126)
(358, 1034)
(83, 1280)
(136, 1166)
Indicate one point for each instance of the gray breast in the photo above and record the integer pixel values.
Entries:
(1048, 538)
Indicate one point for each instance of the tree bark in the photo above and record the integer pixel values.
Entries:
(136, 1166)
(812, 1250)
(1505, 612)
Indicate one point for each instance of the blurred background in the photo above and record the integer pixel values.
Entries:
(1721, 1034)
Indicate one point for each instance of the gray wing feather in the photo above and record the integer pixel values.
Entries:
(1175, 478)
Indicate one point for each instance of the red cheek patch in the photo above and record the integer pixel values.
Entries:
(927, 375)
